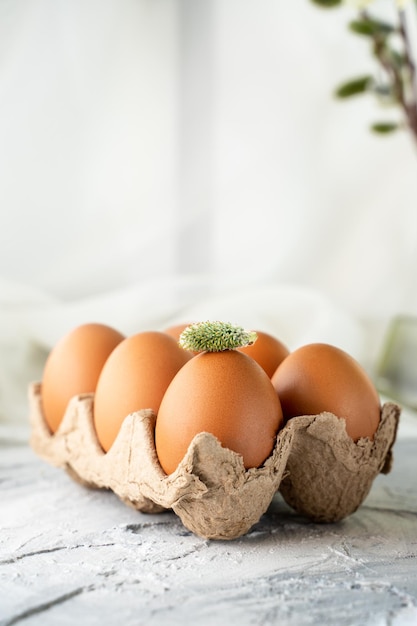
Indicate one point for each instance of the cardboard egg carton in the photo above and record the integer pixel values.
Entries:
(319, 470)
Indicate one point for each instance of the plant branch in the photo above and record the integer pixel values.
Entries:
(394, 72)
(411, 66)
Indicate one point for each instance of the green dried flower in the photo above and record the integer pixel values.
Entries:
(215, 337)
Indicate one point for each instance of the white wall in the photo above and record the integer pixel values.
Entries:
(88, 142)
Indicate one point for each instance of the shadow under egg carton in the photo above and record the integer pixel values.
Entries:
(319, 470)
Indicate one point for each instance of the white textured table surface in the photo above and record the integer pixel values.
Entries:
(69, 555)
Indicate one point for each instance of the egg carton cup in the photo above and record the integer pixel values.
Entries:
(319, 470)
(328, 474)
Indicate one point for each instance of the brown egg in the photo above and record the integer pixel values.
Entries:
(135, 377)
(319, 377)
(73, 367)
(224, 393)
(175, 332)
(268, 351)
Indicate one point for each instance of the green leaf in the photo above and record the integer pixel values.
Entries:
(354, 87)
(383, 128)
(327, 4)
(371, 27)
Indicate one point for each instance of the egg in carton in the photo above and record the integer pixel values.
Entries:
(320, 471)
(211, 492)
(328, 475)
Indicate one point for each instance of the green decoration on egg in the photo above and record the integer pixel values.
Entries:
(215, 337)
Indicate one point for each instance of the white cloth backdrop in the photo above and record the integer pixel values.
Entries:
(173, 160)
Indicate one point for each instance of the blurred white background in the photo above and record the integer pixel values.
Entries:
(174, 160)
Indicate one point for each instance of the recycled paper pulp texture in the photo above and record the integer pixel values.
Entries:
(319, 470)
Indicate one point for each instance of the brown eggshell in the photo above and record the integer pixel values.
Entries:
(175, 332)
(226, 394)
(74, 366)
(268, 351)
(135, 377)
(320, 378)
